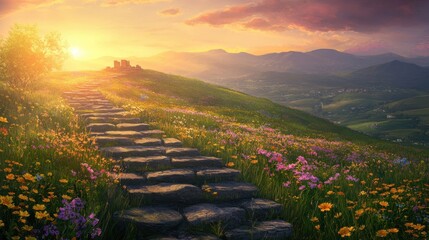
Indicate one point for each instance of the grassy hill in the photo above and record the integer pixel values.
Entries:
(364, 186)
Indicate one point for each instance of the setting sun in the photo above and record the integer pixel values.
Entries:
(75, 52)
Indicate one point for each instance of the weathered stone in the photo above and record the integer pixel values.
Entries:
(131, 179)
(151, 219)
(131, 134)
(230, 190)
(181, 152)
(139, 164)
(132, 151)
(167, 193)
(173, 176)
(261, 209)
(171, 142)
(100, 127)
(152, 133)
(113, 141)
(96, 134)
(132, 126)
(201, 161)
(108, 114)
(218, 174)
(204, 214)
(112, 120)
(100, 110)
(148, 141)
(270, 230)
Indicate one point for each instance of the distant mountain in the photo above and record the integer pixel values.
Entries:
(393, 74)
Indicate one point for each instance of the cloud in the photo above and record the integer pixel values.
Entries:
(10, 6)
(316, 15)
(170, 11)
(111, 3)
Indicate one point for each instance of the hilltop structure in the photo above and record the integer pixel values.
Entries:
(123, 65)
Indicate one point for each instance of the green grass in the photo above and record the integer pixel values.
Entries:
(237, 131)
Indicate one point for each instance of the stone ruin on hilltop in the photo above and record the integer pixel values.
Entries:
(123, 65)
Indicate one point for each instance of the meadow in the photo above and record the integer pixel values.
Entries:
(333, 182)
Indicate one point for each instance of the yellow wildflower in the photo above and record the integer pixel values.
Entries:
(39, 207)
(346, 231)
(384, 203)
(314, 219)
(325, 207)
(23, 188)
(393, 230)
(381, 233)
(338, 215)
(24, 214)
(23, 197)
(317, 227)
(29, 177)
(41, 215)
(66, 197)
(10, 176)
(63, 180)
(230, 164)
(8, 170)
(1, 223)
(330, 192)
(27, 228)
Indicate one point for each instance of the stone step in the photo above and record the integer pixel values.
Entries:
(113, 141)
(170, 193)
(100, 127)
(152, 133)
(149, 219)
(91, 107)
(171, 142)
(132, 126)
(183, 236)
(140, 164)
(226, 191)
(172, 176)
(182, 152)
(131, 179)
(132, 151)
(268, 230)
(261, 209)
(148, 141)
(107, 114)
(217, 174)
(200, 161)
(100, 110)
(112, 120)
(130, 134)
(209, 214)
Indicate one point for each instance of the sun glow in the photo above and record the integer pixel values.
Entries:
(75, 52)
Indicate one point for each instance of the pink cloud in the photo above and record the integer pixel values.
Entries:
(10, 6)
(110, 3)
(170, 11)
(316, 15)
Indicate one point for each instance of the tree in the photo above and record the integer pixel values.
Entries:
(26, 56)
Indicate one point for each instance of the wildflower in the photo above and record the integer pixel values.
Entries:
(39, 207)
(63, 181)
(24, 214)
(302, 187)
(384, 203)
(7, 201)
(41, 215)
(23, 197)
(230, 164)
(330, 192)
(10, 176)
(393, 230)
(359, 212)
(27, 228)
(317, 227)
(314, 219)
(346, 231)
(8, 170)
(362, 227)
(23, 188)
(254, 161)
(325, 207)
(1, 223)
(381, 233)
(286, 184)
(29, 177)
(3, 120)
(67, 197)
(338, 215)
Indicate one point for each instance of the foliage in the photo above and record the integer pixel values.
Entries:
(25, 55)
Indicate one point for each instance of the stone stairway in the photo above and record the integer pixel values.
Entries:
(176, 193)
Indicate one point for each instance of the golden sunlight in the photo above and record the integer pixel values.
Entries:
(75, 52)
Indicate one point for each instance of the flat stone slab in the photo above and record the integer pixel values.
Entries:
(151, 219)
(230, 190)
(200, 161)
(108, 114)
(152, 133)
(186, 237)
(100, 110)
(181, 152)
(113, 141)
(100, 127)
(270, 230)
(132, 126)
(131, 134)
(139, 164)
(167, 193)
(173, 176)
(112, 120)
(132, 151)
(261, 209)
(131, 179)
(217, 174)
(172, 142)
(96, 134)
(204, 214)
(148, 142)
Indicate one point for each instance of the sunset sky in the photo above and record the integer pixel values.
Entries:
(95, 28)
